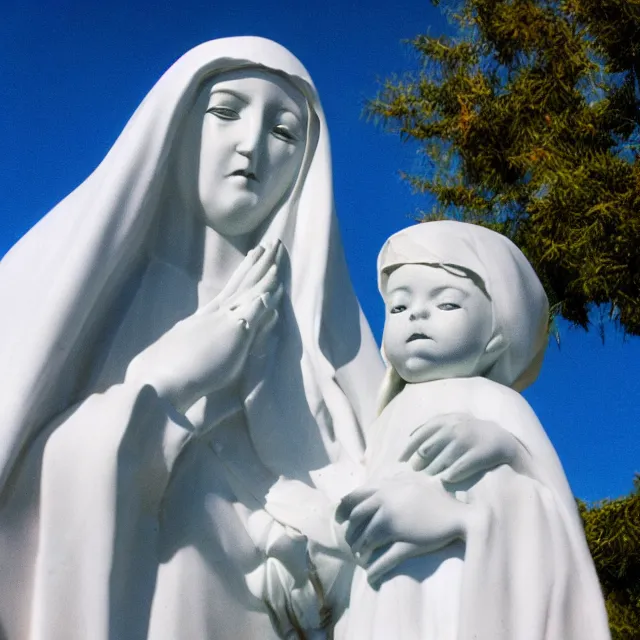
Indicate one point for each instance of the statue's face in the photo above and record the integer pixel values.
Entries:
(253, 139)
(438, 324)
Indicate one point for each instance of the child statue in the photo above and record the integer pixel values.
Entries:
(500, 555)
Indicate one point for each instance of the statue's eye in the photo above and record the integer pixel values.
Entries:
(282, 132)
(448, 306)
(399, 308)
(224, 113)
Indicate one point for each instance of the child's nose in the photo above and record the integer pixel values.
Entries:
(419, 314)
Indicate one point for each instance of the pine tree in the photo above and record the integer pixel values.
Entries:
(613, 533)
(528, 121)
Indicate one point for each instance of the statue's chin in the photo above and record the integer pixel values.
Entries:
(239, 218)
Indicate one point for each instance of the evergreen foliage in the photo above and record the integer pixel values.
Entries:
(528, 121)
(613, 533)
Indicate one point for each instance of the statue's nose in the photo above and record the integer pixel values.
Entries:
(249, 139)
(419, 314)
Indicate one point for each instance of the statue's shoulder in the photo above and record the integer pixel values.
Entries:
(456, 389)
(479, 397)
(489, 400)
(490, 389)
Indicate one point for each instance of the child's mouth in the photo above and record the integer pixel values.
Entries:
(417, 336)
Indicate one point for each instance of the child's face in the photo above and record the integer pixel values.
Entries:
(437, 324)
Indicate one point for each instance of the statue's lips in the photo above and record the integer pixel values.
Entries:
(417, 336)
(243, 173)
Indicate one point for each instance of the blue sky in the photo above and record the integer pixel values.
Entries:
(73, 72)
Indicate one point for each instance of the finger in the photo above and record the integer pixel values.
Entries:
(255, 265)
(259, 310)
(251, 270)
(359, 518)
(271, 301)
(279, 253)
(398, 552)
(238, 276)
(372, 535)
(468, 465)
(443, 460)
(351, 501)
(463, 468)
(427, 453)
(268, 284)
(260, 268)
(419, 436)
(249, 315)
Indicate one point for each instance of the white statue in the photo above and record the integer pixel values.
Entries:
(496, 555)
(184, 363)
(177, 334)
(139, 342)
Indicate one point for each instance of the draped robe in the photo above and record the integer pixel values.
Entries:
(116, 521)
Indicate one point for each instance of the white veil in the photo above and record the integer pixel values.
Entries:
(69, 271)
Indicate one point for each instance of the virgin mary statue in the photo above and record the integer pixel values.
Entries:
(178, 333)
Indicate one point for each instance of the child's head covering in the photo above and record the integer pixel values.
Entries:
(519, 303)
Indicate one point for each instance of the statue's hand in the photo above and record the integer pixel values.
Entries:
(207, 351)
(456, 446)
(398, 517)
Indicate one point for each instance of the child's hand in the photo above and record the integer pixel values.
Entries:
(456, 446)
(409, 513)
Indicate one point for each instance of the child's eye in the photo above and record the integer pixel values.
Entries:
(399, 308)
(448, 306)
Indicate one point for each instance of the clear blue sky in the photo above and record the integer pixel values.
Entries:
(73, 72)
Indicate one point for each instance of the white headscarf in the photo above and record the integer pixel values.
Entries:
(67, 273)
(519, 303)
